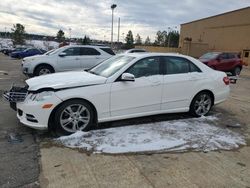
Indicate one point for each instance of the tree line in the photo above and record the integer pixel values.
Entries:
(162, 38)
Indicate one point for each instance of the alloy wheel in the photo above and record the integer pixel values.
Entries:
(202, 104)
(44, 71)
(74, 118)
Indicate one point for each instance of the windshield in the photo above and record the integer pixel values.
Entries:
(55, 51)
(110, 66)
(210, 55)
(49, 52)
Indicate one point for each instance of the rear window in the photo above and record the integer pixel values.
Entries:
(210, 55)
(136, 51)
(88, 51)
(108, 50)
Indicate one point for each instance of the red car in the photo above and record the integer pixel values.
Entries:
(223, 61)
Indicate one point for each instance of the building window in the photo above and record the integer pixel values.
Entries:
(246, 54)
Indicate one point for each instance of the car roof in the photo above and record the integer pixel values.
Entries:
(150, 54)
(96, 46)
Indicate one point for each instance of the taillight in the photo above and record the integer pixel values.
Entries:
(226, 80)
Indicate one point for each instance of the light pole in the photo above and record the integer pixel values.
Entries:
(70, 35)
(112, 8)
(118, 30)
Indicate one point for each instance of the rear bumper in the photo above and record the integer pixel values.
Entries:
(222, 95)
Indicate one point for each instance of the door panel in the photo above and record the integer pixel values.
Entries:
(71, 61)
(142, 95)
(89, 57)
(177, 90)
(179, 82)
(68, 63)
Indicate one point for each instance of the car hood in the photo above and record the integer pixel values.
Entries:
(35, 57)
(64, 80)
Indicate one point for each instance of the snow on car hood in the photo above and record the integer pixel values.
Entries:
(64, 80)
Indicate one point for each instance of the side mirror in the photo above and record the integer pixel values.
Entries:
(128, 77)
(62, 54)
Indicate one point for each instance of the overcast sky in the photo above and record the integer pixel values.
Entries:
(93, 17)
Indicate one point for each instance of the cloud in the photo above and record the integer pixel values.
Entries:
(93, 18)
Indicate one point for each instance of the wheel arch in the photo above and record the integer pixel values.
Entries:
(42, 64)
(204, 90)
(52, 114)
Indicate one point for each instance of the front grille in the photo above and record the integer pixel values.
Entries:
(16, 94)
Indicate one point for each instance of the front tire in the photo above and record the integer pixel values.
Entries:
(43, 70)
(74, 115)
(201, 104)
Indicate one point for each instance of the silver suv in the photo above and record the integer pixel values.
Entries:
(67, 58)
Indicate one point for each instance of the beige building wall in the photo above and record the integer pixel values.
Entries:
(225, 32)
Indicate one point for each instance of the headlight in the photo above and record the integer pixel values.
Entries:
(41, 96)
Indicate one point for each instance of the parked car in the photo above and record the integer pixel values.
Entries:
(66, 58)
(121, 87)
(223, 61)
(7, 50)
(26, 53)
(135, 50)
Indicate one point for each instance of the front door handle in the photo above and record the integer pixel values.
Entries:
(77, 58)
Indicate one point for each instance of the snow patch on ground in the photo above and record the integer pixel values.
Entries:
(197, 134)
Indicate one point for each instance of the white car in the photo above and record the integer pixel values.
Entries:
(124, 86)
(73, 57)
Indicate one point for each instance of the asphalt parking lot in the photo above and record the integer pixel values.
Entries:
(31, 159)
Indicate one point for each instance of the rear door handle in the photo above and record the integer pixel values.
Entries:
(77, 58)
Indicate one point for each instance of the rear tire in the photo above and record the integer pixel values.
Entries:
(74, 115)
(201, 104)
(236, 71)
(43, 70)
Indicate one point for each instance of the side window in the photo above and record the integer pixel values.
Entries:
(108, 50)
(224, 56)
(246, 54)
(89, 51)
(231, 56)
(72, 51)
(178, 65)
(136, 51)
(145, 67)
(193, 68)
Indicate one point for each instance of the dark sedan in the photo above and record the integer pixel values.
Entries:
(26, 53)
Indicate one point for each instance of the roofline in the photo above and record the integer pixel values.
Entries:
(217, 15)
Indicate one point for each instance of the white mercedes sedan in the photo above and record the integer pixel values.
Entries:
(124, 86)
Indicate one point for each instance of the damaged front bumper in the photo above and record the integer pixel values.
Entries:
(15, 94)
